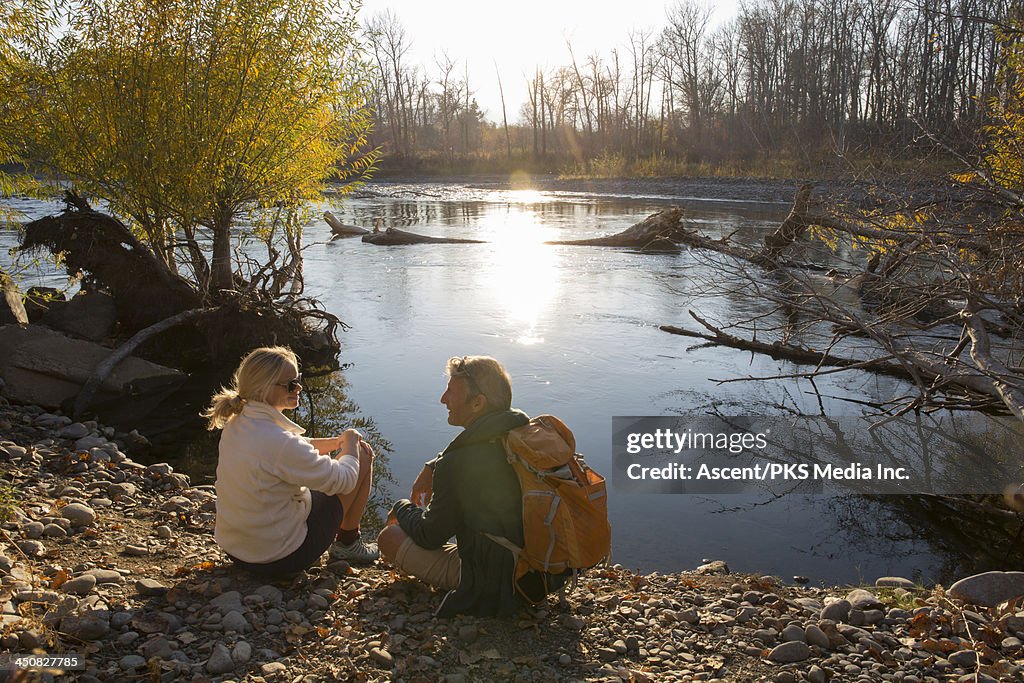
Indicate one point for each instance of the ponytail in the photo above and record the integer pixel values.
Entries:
(224, 405)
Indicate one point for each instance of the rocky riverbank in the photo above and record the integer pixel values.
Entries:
(115, 561)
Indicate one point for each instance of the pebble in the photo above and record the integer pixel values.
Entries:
(894, 582)
(242, 652)
(815, 636)
(220, 661)
(226, 602)
(157, 647)
(837, 610)
(131, 662)
(963, 658)
(793, 651)
(74, 431)
(81, 585)
(234, 621)
(106, 575)
(32, 529)
(273, 668)
(382, 657)
(793, 633)
(31, 548)
(150, 587)
(863, 600)
(78, 514)
(54, 531)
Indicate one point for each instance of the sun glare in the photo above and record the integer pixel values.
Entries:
(525, 196)
(523, 277)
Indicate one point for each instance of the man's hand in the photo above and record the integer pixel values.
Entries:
(423, 487)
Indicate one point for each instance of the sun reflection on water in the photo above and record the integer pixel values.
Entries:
(523, 276)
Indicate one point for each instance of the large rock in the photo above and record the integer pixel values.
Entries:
(988, 589)
(89, 315)
(43, 367)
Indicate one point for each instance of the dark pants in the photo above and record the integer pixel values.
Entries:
(321, 527)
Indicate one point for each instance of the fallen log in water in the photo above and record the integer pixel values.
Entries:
(658, 232)
(339, 229)
(917, 366)
(393, 237)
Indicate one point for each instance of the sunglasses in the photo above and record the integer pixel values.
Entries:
(462, 370)
(292, 384)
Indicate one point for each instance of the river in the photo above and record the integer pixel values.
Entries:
(577, 328)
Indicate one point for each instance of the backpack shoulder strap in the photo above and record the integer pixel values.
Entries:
(505, 543)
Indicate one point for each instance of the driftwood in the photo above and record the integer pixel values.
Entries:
(339, 229)
(12, 308)
(659, 232)
(85, 397)
(392, 237)
(792, 229)
(914, 365)
(780, 351)
(114, 260)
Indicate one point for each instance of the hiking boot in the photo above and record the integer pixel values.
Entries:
(357, 553)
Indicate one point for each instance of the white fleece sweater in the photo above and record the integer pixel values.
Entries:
(264, 473)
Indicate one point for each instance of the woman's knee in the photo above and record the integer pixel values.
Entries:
(366, 456)
(390, 540)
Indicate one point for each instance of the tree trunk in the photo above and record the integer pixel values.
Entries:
(220, 265)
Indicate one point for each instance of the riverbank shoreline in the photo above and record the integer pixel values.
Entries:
(707, 188)
(115, 561)
(847, 193)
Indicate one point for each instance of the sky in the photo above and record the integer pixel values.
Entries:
(519, 35)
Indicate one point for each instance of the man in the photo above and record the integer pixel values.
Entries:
(472, 491)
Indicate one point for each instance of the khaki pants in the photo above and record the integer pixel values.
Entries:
(440, 568)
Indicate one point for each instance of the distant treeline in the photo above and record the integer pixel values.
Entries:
(785, 79)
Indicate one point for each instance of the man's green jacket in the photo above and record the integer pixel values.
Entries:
(476, 491)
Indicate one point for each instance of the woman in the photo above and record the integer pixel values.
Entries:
(282, 498)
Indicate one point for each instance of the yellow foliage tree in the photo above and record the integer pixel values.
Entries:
(1005, 134)
(185, 115)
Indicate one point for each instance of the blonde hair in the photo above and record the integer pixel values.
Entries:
(486, 376)
(254, 379)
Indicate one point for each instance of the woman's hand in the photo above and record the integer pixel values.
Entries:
(367, 450)
(348, 442)
(423, 487)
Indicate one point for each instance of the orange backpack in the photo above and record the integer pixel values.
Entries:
(565, 505)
